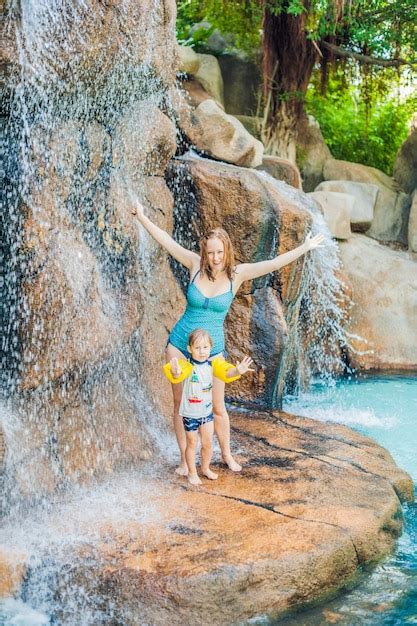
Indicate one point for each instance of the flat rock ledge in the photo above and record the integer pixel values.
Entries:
(314, 503)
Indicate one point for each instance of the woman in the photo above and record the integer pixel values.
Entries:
(214, 281)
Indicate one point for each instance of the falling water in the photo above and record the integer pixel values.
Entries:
(316, 319)
(87, 91)
(87, 83)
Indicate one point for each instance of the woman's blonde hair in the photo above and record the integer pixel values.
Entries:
(199, 333)
(229, 255)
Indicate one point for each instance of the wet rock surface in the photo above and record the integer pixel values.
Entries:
(309, 507)
(382, 319)
(313, 503)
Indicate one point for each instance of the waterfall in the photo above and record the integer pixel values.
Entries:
(316, 319)
(87, 91)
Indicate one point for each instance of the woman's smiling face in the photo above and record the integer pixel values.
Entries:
(215, 254)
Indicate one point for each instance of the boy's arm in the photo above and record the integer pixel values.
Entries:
(177, 370)
(241, 368)
(228, 372)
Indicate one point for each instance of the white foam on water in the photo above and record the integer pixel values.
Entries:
(341, 415)
(15, 612)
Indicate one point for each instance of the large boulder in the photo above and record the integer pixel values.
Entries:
(263, 220)
(383, 320)
(336, 208)
(364, 198)
(194, 92)
(188, 60)
(405, 166)
(391, 206)
(312, 153)
(281, 169)
(314, 505)
(223, 137)
(210, 76)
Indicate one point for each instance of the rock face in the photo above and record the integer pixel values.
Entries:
(95, 51)
(262, 222)
(405, 166)
(364, 199)
(391, 207)
(144, 141)
(313, 503)
(385, 305)
(223, 137)
(337, 209)
(412, 225)
(209, 75)
(242, 82)
(92, 296)
(312, 153)
(281, 169)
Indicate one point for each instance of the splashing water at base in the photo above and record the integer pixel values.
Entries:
(63, 549)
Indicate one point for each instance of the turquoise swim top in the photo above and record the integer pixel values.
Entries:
(202, 312)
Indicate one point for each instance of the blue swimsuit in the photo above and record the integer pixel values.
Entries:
(202, 312)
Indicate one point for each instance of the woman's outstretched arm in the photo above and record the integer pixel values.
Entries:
(186, 257)
(249, 271)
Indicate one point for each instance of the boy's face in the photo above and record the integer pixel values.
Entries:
(200, 350)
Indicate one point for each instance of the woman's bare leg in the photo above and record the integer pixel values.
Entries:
(182, 470)
(222, 425)
(206, 432)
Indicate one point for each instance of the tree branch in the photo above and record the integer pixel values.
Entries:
(363, 58)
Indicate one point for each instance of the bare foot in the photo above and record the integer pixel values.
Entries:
(193, 479)
(182, 470)
(209, 474)
(232, 464)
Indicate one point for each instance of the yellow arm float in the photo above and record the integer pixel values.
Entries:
(220, 369)
(186, 369)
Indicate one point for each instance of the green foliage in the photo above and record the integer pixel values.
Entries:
(383, 28)
(360, 117)
(355, 132)
(239, 21)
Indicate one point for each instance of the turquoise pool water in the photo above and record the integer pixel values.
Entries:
(384, 408)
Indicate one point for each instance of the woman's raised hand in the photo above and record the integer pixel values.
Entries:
(245, 365)
(137, 207)
(314, 242)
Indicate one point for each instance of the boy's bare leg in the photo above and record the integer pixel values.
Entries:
(190, 452)
(182, 470)
(222, 425)
(207, 432)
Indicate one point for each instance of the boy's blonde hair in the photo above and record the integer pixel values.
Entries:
(199, 333)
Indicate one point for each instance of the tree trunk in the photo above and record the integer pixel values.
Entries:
(288, 61)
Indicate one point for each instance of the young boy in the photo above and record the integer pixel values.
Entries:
(196, 406)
